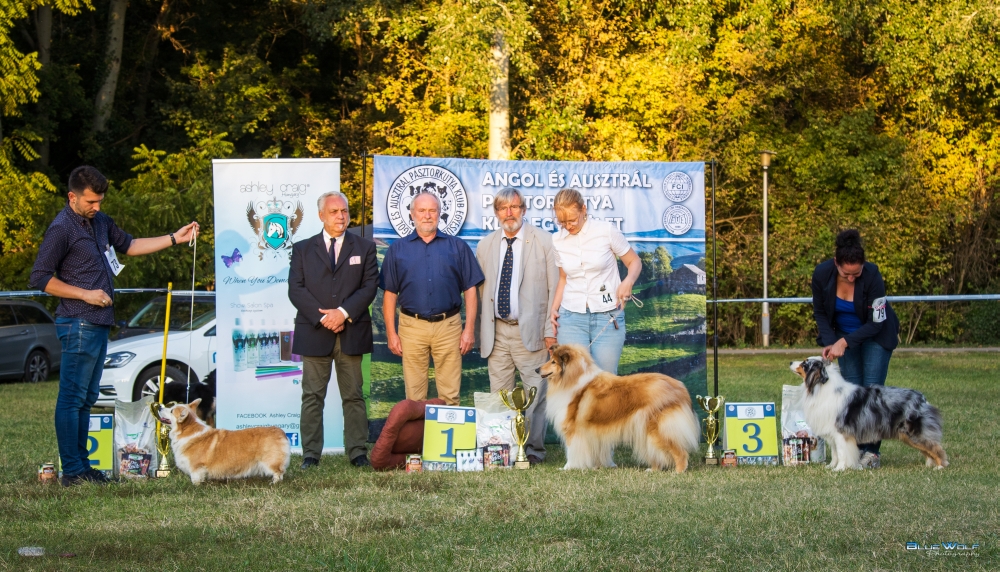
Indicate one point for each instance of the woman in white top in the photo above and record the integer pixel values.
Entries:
(589, 305)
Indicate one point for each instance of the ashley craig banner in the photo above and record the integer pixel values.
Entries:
(660, 207)
(262, 207)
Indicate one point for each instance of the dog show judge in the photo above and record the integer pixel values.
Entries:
(428, 273)
(332, 281)
(515, 332)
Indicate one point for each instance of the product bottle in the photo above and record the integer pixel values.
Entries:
(285, 351)
(239, 348)
(262, 344)
(265, 343)
(251, 337)
(275, 348)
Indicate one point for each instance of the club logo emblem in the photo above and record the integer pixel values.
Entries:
(677, 220)
(423, 179)
(678, 186)
(274, 223)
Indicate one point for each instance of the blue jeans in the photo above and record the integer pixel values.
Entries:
(582, 329)
(84, 346)
(865, 365)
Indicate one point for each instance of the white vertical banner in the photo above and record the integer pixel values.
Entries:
(262, 207)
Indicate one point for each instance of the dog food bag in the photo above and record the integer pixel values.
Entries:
(135, 439)
(496, 457)
(800, 445)
(493, 422)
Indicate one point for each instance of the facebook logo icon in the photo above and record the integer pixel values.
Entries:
(293, 438)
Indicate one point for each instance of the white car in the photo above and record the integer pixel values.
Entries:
(132, 367)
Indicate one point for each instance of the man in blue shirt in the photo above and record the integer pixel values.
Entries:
(77, 262)
(427, 274)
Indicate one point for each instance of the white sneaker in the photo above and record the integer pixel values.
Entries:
(870, 460)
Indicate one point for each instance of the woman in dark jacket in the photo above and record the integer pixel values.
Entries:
(857, 325)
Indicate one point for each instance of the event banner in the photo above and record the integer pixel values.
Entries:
(262, 207)
(660, 207)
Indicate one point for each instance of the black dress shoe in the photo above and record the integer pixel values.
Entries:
(95, 476)
(91, 476)
(535, 460)
(361, 461)
(308, 463)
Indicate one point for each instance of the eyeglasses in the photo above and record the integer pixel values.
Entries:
(510, 208)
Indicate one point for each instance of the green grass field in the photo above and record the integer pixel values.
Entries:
(338, 517)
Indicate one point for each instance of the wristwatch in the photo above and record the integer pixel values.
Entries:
(173, 241)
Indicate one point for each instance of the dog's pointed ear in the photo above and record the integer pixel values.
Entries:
(815, 373)
(194, 404)
(182, 413)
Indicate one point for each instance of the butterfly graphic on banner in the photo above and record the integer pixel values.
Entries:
(230, 260)
(274, 223)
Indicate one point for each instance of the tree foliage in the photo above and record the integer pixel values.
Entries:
(883, 115)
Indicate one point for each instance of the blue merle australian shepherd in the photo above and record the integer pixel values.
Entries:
(846, 414)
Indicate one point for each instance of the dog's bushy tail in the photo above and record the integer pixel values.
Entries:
(683, 427)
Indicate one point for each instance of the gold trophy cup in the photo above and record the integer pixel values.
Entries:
(711, 405)
(519, 400)
(162, 442)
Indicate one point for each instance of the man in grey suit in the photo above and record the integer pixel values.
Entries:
(521, 277)
(331, 282)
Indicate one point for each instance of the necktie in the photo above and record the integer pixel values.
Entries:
(506, 273)
(333, 252)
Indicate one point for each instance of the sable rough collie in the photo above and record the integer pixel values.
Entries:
(846, 414)
(205, 453)
(593, 411)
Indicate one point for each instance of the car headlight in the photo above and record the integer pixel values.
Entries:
(118, 359)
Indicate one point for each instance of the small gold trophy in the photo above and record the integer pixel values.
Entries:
(162, 442)
(711, 405)
(519, 400)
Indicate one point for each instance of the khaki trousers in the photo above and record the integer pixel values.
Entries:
(315, 379)
(509, 354)
(423, 340)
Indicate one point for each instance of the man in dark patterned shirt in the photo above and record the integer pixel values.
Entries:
(77, 262)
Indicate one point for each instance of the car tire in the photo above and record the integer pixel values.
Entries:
(36, 367)
(148, 382)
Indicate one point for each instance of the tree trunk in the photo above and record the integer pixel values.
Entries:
(43, 41)
(150, 51)
(105, 99)
(499, 100)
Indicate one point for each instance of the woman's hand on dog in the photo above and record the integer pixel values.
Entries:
(835, 350)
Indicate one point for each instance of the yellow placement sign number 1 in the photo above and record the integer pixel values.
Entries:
(446, 429)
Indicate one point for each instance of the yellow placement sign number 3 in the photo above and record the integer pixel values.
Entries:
(751, 429)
